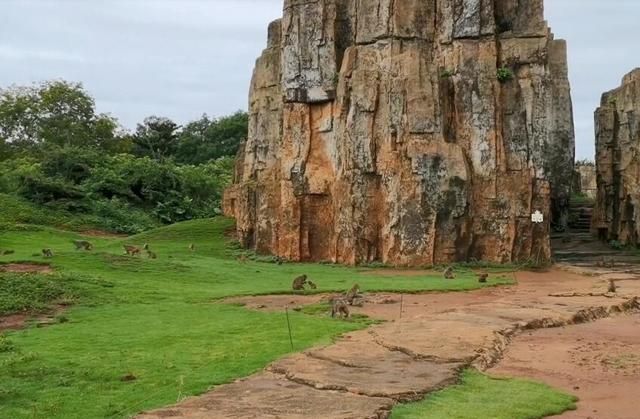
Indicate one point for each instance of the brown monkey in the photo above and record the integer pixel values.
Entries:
(131, 250)
(48, 253)
(449, 274)
(613, 288)
(353, 294)
(340, 308)
(299, 283)
(483, 278)
(312, 285)
(82, 244)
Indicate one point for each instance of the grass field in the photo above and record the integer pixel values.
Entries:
(160, 321)
(483, 397)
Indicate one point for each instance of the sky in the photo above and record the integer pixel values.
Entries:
(183, 58)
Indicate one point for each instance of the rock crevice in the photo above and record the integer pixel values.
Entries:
(382, 131)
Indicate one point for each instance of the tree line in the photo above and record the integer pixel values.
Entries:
(56, 151)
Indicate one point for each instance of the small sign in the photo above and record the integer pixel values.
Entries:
(537, 217)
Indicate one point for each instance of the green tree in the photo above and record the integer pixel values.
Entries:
(210, 139)
(156, 137)
(53, 113)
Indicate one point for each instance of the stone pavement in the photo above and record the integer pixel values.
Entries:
(365, 373)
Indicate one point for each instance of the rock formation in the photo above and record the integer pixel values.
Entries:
(409, 132)
(585, 180)
(617, 212)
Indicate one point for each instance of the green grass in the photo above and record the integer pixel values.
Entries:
(159, 320)
(481, 396)
(34, 292)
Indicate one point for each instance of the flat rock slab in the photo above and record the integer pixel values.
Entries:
(269, 396)
(361, 367)
(439, 339)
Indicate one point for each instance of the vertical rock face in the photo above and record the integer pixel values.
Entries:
(380, 130)
(585, 180)
(617, 212)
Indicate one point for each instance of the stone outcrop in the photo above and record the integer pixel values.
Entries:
(617, 212)
(409, 132)
(585, 180)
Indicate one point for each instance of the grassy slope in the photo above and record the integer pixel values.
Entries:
(480, 396)
(155, 319)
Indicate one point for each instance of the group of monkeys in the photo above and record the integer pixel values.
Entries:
(483, 277)
(128, 249)
(339, 303)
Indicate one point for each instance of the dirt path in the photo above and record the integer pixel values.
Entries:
(366, 373)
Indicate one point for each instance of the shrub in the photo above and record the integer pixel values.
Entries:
(505, 74)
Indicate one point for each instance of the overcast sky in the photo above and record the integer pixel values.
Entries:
(182, 58)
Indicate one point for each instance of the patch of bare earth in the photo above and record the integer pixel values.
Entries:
(365, 373)
(21, 320)
(598, 362)
(26, 268)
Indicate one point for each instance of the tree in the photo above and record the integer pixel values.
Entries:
(156, 137)
(53, 113)
(210, 139)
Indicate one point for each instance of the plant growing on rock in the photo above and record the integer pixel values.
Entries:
(446, 74)
(505, 74)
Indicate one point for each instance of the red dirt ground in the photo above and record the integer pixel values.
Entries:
(597, 362)
(26, 268)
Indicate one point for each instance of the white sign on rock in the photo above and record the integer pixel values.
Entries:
(537, 217)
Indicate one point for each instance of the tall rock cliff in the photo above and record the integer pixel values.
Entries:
(409, 132)
(617, 212)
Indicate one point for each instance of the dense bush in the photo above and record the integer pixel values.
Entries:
(61, 156)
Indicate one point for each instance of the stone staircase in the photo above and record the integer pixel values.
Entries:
(579, 247)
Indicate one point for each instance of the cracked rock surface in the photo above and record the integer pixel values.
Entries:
(365, 373)
(380, 130)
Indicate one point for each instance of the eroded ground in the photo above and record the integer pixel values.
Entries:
(365, 373)
(598, 362)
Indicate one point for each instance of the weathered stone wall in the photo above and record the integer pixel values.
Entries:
(379, 131)
(585, 180)
(617, 212)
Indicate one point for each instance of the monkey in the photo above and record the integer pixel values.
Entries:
(449, 274)
(611, 263)
(613, 288)
(312, 285)
(151, 255)
(82, 244)
(131, 250)
(192, 247)
(353, 294)
(146, 246)
(242, 259)
(299, 283)
(483, 278)
(48, 253)
(340, 308)
(601, 263)
(279, 260)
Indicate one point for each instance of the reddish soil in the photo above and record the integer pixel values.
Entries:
(20, 320)
(598, 362)
(364, 373)
(26, 268)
